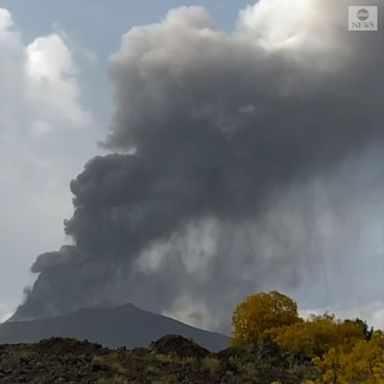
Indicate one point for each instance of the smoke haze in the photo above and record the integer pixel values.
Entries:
(238, 162)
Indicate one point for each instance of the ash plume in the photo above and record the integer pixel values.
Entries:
(212, 131)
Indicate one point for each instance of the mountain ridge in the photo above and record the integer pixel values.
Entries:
(123, 326)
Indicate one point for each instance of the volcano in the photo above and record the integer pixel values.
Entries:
(123, 326)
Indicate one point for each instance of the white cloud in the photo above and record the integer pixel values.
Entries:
(297, 28)
(6, 311)
(39, 82)
(6, 21)
(44, 140)
(277, 23)
(49, 58)
(372, 313)
(377, 318)
(5, 316)
(51, 80)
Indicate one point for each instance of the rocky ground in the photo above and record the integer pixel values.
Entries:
(170, 360)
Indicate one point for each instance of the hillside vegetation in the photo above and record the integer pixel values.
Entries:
(170, 360)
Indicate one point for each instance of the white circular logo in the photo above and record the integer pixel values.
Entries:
(362, 14)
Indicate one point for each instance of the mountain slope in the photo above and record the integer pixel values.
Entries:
(126, 325)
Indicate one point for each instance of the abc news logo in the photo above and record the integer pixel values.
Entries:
(362, 18)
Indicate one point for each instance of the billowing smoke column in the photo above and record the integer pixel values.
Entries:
(210, 130)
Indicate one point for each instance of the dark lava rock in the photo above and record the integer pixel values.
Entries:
(66, 345)
(179, 346)
(171, 359)
(251, 352)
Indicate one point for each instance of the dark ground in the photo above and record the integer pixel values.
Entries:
(170, 360)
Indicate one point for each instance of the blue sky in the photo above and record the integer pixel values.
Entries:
(97, 26)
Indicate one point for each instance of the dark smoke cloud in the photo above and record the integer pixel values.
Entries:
(212, 130)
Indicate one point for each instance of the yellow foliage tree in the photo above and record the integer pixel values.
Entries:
(259, 313)
(363, 364)
(317, 335)
(344, 352)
